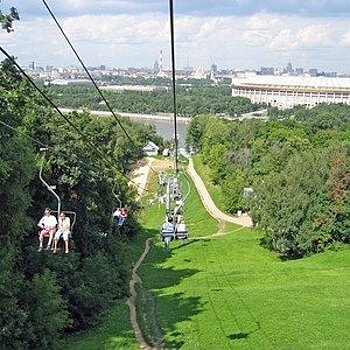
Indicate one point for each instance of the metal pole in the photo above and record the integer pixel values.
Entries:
(174, 82)
(168, 197)
(48, 186)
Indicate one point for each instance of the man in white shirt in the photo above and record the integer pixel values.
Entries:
(63, 229)
(48, 225)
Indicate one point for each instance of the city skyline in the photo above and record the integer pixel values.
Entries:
(233, 34)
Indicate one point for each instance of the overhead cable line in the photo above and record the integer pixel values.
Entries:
(88, 73)
(90, 77)
(171, 13)
(24, 134)
(83, 136)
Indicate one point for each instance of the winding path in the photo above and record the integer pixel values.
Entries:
(244, 220)
(131, 301)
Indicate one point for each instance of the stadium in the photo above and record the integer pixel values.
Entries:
(289, 91)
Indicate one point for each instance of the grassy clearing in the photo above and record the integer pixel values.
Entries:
(214, 191)
(114, 332)
(230, 292)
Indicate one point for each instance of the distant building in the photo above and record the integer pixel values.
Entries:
(288, 91)
(200, 73)
(267, 71)
(156, 68)
(289, 68)
(151, 149)
(313, 72)
(69, 81)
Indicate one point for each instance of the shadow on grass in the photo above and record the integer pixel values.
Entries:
(169, 308)
(238, 336)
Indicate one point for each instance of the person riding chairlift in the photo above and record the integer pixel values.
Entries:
(63, 230)
(120, 216)
(48, 225)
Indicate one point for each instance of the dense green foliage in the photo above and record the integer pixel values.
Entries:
(190, 100)
(298, 168)
(41, 294)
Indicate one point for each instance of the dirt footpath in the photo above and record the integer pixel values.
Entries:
(244, 220)
(141, 172)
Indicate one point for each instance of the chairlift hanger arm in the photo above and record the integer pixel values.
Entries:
(44, 150)
(116, 196)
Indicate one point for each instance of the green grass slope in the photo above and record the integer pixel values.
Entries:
(229, 292)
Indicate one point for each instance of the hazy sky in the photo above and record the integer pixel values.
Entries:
(231, 33)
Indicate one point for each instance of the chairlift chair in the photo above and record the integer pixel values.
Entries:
(167, 232)
(181, 231)
(73, 218)
(123, 214)
(52, 189)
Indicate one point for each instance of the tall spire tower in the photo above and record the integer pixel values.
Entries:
(161, 61)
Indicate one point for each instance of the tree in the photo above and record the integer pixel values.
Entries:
(6, 20)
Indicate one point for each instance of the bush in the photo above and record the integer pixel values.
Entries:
(91, 291)
(46, 310)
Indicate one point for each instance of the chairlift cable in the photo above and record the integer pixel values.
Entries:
(88, 73)
(172, 42)
(90, 77)
(83, 136)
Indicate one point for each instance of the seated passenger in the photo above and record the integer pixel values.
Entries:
(122, 217)
(116, 216)
(168, 228)
(63, 229)
(48, 225)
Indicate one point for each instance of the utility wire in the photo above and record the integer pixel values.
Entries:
(24, 134)
(171, 13)
(84, 137)
(90, 77)
(88, 73)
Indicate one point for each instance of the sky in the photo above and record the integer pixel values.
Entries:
(234, 34)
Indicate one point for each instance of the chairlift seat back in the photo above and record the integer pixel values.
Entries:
(167, 230)
(181, 231)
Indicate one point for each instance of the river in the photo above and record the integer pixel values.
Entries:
(165, 128)
(162, 121)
